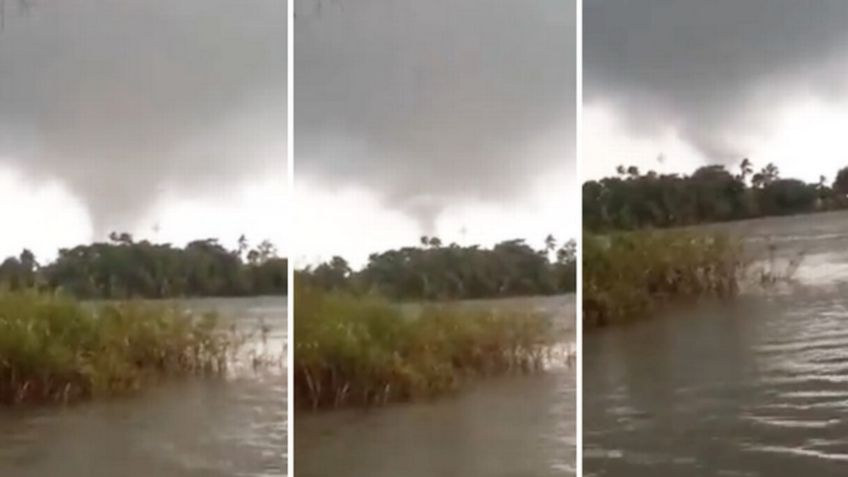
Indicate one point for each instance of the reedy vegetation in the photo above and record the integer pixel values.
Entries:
(56, 349)
(363, 350)
(628, 275)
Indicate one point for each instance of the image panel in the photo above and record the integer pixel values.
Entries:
(434, 308)
(142, 181)
(715, 232)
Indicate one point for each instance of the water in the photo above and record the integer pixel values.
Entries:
(212, 428)
(757, 388)
(502, 427)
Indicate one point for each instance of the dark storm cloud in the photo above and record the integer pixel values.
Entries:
(122, 100)
(711, 68)
(431, 102)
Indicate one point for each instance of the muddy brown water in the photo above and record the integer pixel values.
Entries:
(502, 427)
(756, 388)
(200, 427)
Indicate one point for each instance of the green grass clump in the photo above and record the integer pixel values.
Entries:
(628, 275)
(352, 350)
(56, 349)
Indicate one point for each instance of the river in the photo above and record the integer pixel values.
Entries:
(199, 427)
(500, 427)
(756, 388)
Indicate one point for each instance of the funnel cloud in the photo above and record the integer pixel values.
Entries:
(713, 71)
(127, 103)
(432, 103)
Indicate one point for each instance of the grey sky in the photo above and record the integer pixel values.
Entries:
(128, 103)
(429, 103)
(714, 71)
(434, 104)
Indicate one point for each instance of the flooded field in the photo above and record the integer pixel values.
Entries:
(200, 427)
(757, 388)
(507, 426)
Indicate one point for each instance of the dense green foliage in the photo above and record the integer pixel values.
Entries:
(627, 275)
(55, 349)
(123, 268)
(362, 350)
(711, 194)
(433, 271)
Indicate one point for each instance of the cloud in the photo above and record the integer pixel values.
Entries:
(125, 102)
(430, 103)
(711, 70)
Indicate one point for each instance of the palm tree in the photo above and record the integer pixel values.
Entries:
(745, 169)
(242, 245)
(771, 173)
(266, 250)
(550, 243)
(766, 176)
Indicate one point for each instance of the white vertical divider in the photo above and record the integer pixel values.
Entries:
(290, 253)
(579, 292)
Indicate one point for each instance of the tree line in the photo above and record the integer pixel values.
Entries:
(634, 200)
(433, 271)
(124, 268)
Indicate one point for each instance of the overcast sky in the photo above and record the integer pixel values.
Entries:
(440, 117)
(673, 84)
(162, 118)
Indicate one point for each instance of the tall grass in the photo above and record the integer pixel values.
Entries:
(628, 275)
(365, 351)
(56, 349)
